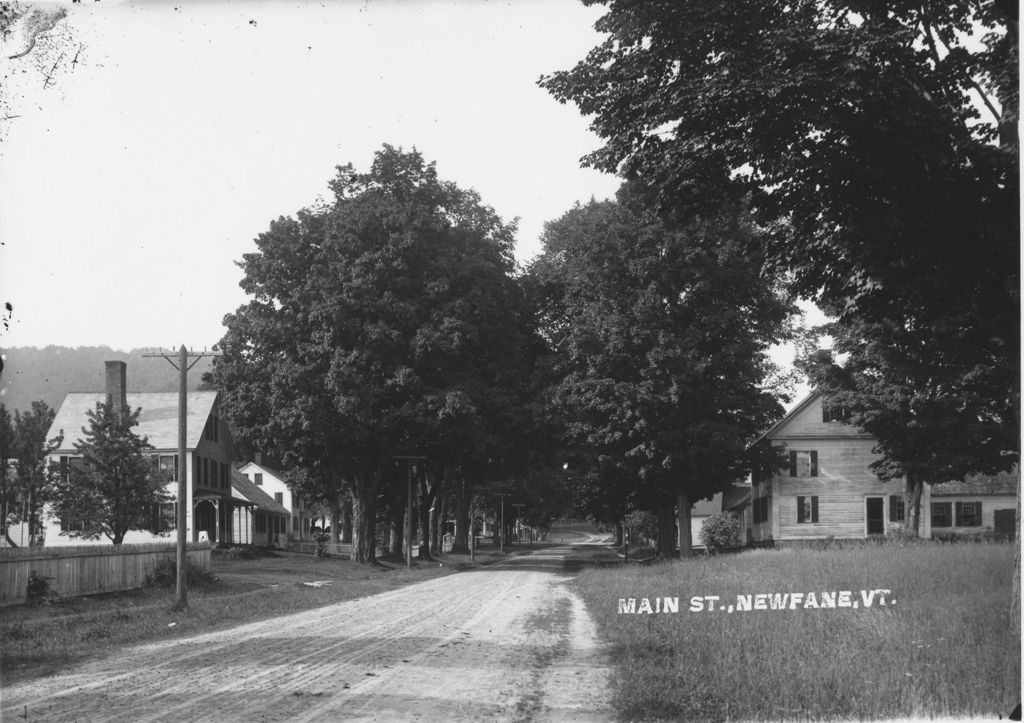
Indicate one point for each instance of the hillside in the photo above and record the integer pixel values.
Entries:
(49, 373)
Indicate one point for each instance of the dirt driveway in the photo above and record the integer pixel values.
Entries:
(511, 642)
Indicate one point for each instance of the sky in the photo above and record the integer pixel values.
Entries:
(136, 179)
(170, 134)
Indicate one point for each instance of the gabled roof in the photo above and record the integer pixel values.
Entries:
(158, 421)
(242, 488)
(806, 402)
(265, 468)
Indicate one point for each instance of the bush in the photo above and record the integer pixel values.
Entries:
(719, 532)
(165, 573)
(38, 589)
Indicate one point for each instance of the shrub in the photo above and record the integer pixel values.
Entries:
(38, 589)
(719, 532)
(165, 573)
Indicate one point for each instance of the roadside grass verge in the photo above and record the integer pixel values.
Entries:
(944, 649)
(43, 639)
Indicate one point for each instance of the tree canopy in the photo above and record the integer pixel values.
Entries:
(115, 489)
(876, 141)
(384, 323)
(661, 341)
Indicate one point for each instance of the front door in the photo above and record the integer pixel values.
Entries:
(1006, 524)
(875, 513)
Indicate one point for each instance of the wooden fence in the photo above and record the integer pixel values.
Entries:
(339, 549)
(87, 569)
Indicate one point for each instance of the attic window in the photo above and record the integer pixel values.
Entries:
(835, 413)
(258, 478)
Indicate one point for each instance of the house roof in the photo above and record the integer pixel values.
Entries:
(737, 494)
(1003, 483)
(158, 420)
(804, 403)
(276, 472)
(242, 488)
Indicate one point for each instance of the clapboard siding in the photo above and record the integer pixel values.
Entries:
(843, 482)
(85, 570)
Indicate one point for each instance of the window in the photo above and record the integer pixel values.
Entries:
(803, 464)
(807, 509)
(225, 475)
(279, 498)
(897, 512)
(968, 514)
(942, 514)
(167, 467)
(835, 413)
(258, 478)
(261, 522)
(161, 517)
(205, 480)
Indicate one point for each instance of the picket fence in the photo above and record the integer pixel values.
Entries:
(87, 569)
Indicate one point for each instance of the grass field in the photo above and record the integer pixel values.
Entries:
(942, 650)
(43, 639)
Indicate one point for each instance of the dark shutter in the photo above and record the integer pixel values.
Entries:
(894, 511)
(958, 517)
(814, 464)
(814, 508)
(800, 516)
(63, 476)
(826, 416)
(792, 464)
(977, 511)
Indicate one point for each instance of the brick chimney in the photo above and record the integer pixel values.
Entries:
(258, 458)
(117, 390)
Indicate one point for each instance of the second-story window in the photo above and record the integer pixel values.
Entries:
(803, 463)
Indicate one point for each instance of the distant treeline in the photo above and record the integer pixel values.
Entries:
(47, 374)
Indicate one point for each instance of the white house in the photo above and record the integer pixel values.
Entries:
(828, 488)
(271, 481)
(208, 454)
(257, 519)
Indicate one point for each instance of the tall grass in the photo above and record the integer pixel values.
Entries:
(944, 649)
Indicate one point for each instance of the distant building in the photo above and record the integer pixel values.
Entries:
(272, 482)
(257, 518)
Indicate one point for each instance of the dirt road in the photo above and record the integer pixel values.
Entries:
(509, 642)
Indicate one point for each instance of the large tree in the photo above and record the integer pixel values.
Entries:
(878, 140)
(662, 339)
(35, 475)
(380, 324)
(115, 489)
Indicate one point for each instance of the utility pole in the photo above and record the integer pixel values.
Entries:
(408, 514)
(501, 528)
(183, 366)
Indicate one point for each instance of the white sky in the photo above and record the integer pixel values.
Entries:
(130, 187)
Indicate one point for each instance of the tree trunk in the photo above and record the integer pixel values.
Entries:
(428, 496)
(463, 520)
(364, 515)
(346, 519)
(683, 509)
(666, 532)
(335, 518)
(912, 503)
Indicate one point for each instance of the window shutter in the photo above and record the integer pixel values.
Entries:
(814, 464)
(800, 517)
(814, 508)
(977, 512)
(792, 464)
(959, 516)
(826, 415)
(892, 508)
